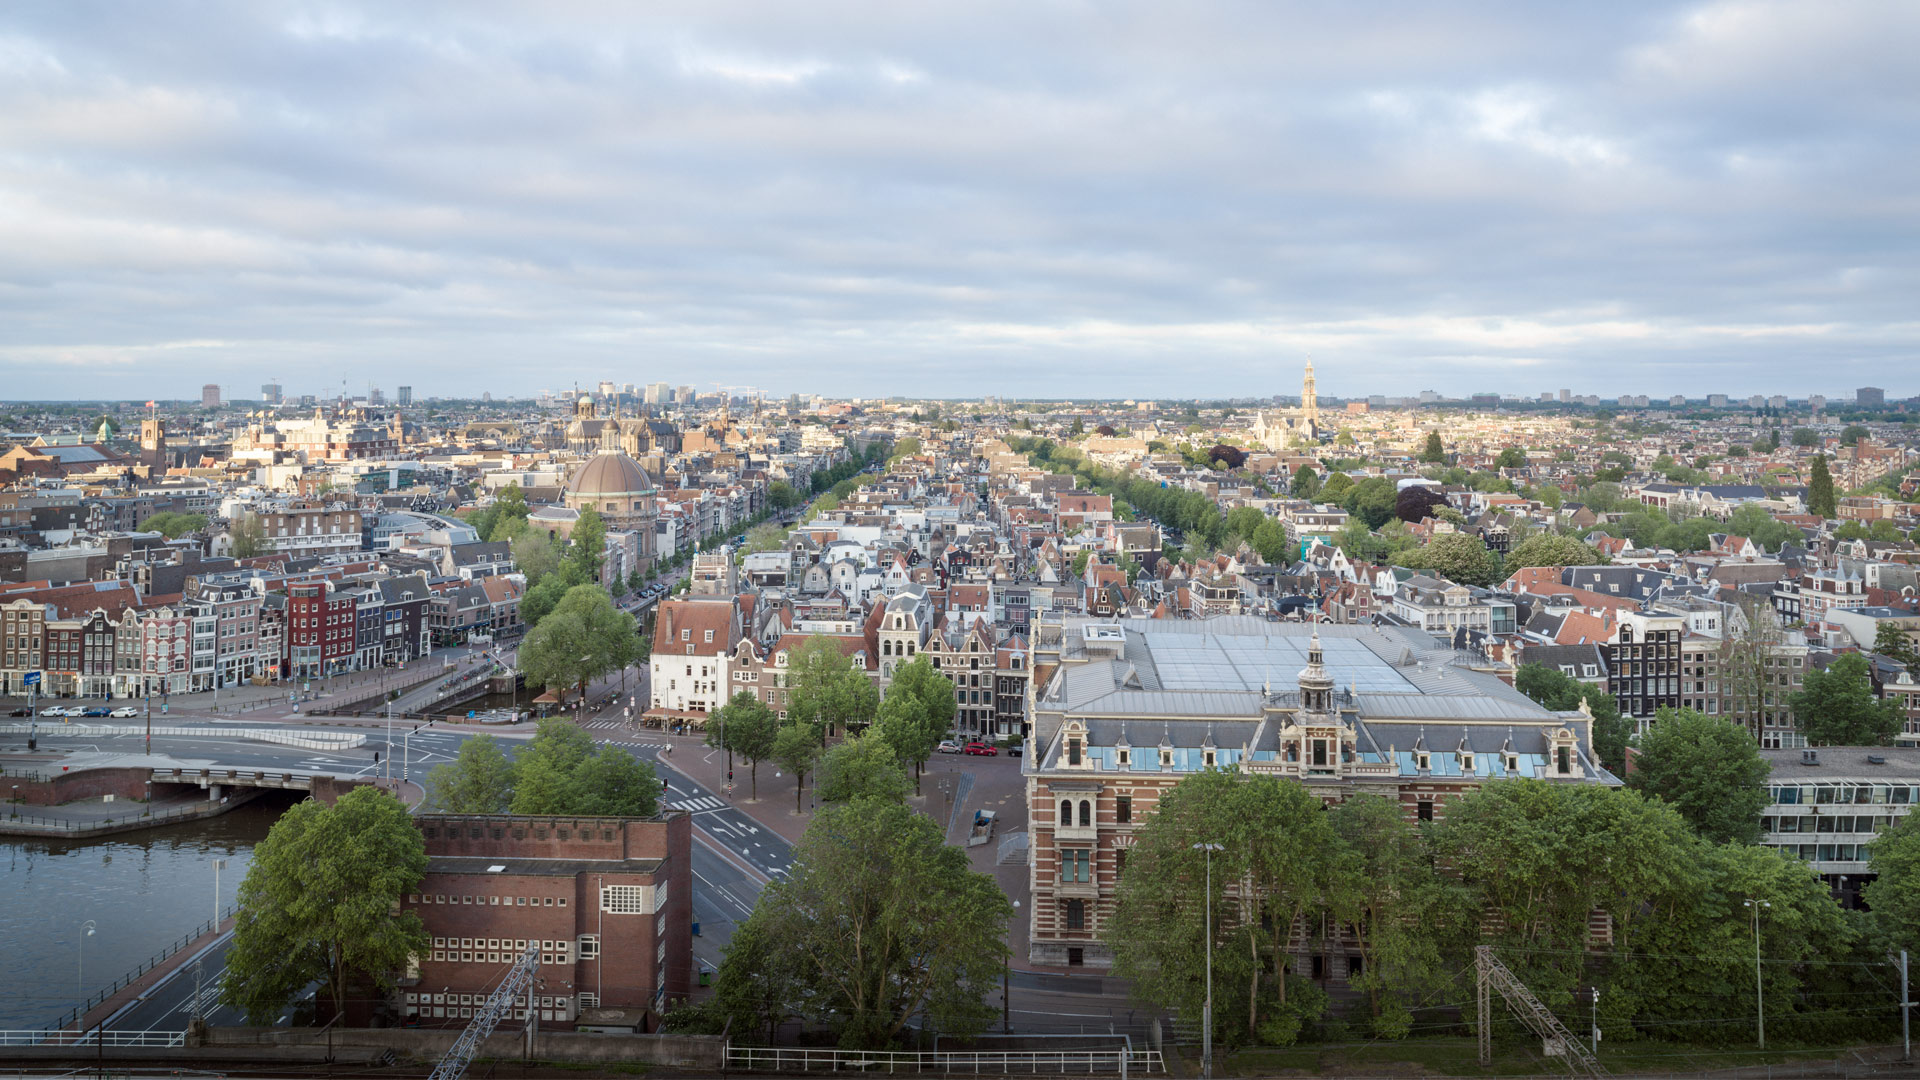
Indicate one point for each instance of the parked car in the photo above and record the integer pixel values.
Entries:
(126, 712)
(982, 749)
(95, 710)
(948, 746)
(54, 710)
(21, 711)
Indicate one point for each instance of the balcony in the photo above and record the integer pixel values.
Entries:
(1085, 890)
(1083, 833)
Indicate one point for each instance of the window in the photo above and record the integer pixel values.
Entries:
(1425, 810)
(1123, 809)
(589, 946)
(1076, 865)
(1076, 914)
(1086, 813)
(1563, 760)
(1066, 811)
(1073, 751)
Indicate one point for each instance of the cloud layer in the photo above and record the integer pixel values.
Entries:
(1115, 199)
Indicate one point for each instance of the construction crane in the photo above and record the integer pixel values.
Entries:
(499, 1006)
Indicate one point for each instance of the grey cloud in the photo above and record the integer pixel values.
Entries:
(1129, 199)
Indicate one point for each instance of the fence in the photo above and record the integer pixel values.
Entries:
(128, 979)
(312, 740)
(1115, 1062)
(93, 1038)
(55, 826)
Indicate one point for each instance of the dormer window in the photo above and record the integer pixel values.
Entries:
(1466, 762)
(1563, 760)
(1124, 756)
(1513, 763)
(1166, 758)
(1073, 751)
(1207, 757)
(1422, 762)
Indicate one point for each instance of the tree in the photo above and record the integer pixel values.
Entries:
(1820, 496)
(534, 556)
(318, 904)
(1852, 434)
(1417, 502)
(506, 517)
(584, 637)
(1306, 483)
(825, 691)
(764, 538)
(1546, 549)
(174, 526)
(795, 749)
(749, 729)
(1805, 437)
(479, 780)
(1277, 845)
(1708, 769)
(1335, 487)
(917, 713)
(1231, 456)
(1894, 894)
(1383, 887)
(1462, 558)
(781, 496)
(1434, 452)
(878, 921)
(587, 546)
(1563, 693)
(1511, 458)
(562, 771)
(1371, 500)
(1836, 707)
(1272, 542)
(1892, 641)
(248, 535)
(863, 767)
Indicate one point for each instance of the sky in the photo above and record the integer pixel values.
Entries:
(1088, 199)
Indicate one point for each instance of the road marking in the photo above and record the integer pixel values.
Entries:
(705, 802)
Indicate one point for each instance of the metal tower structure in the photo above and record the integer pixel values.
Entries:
(499, 1006)
(1490, 975)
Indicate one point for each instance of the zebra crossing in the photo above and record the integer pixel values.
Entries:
(704, 802)
(607, 725)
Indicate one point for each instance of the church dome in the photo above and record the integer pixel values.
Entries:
(609, 476)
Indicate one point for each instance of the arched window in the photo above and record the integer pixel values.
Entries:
(1086, 813)
(1066, 811)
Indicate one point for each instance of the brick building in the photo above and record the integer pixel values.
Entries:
(608, 899)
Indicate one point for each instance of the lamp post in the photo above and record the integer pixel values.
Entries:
(80, 964)
(1759, 995)
(1206, 1015)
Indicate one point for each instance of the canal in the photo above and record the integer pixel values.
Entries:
(141, 892)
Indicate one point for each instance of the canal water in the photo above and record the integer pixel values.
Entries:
(142, 892)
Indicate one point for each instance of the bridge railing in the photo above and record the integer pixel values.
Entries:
(128, 979)
(93, 1038)
(81, 825)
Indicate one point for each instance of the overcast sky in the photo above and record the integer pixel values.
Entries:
(1026, 198)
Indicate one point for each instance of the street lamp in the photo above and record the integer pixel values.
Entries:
(1759, 996)
(80, 964)
(1206, 1015)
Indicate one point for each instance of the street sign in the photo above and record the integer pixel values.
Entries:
(31, 678)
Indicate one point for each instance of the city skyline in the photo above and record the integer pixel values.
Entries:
(1024, 201)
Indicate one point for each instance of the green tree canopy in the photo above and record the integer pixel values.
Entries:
(562, 771)
(587, 546)
(1820, 495)
(248, 535)
(825, 691)
(1836, 707)
(1892, 641)
(584, 637)
(878, 920)
(748, 727)
(1805, 437)
(781, 496)
(1894, 894)
(1273, 543)
(1547, 549)
(1708, 769)
(1511, 458)
(1459, 557)
(916, 713)
(1434, 452)
(863, 767)
(479, 780)
(318, 903)
(1306, 483)
(796, 748)
(174, 525)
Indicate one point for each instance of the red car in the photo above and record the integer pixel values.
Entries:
(982, 749)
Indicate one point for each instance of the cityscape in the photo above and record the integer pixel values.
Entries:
(1217, 542)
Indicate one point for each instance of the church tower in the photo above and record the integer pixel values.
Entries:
(1309, 406)
(153, 444)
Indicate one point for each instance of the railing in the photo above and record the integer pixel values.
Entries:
(70, 825)
(1114, 1062)
(311, 740)
(128, 979)
(93, 1038)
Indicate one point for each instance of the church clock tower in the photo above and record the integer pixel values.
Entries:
(1309, 406)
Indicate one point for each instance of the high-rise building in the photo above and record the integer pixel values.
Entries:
(1777, 401)
(1565, 396)
(659, 393)
(210, 396)
(1756, 401)
(1817, 402)
(375, 396)
(1678, 401)
(685, 396)
(270, 393)
(405, 395)
(1716, 401)
(1870, 397)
